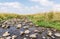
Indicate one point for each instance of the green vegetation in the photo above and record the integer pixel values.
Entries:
(9, 16)
(50, 20)
(43, 20)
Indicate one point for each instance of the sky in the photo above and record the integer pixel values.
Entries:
(29, 6)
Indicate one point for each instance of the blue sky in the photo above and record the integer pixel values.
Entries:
(29, 6)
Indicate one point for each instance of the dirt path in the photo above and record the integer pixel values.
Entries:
(25, 29)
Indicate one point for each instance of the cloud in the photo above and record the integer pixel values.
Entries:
(17, 7)
(47, 3)
(56, 7)
(11, 4)
(44, 2)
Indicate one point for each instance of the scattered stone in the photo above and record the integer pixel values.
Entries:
(33, 36)
(26, 27)
(57, 34)
(6, 33)
(49, 33)
(43, 37)
(27, 35)
(3, 26)
(24, 38)
(7, 26)
(36, 31)
(18, 26)
(30, 24)
(8, 37)
(14, 37)
(53, 37)
(21, 32)
(27, 31)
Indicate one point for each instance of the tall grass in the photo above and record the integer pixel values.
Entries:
(43, 20)
(51, 20)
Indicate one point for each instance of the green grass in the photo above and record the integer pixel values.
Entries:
(47, 24)
(46, 20)
(50, 20)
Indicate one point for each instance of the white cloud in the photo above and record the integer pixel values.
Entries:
(44, 2)
(17, 7)
(56, 7)
(47, 3)
(11, 4)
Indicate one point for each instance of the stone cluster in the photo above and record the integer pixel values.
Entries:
(25, 29)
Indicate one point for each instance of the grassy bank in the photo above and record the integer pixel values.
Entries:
(43, 20)
(9, 16)
(46, 20)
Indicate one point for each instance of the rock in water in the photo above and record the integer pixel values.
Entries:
(14, 37)
(6, 33)
(18, 26)
(25, 38)
(21, 32)
(33, 36)
(57, 34)
(26, 27)
(8, 37)
(49, 33)
(3, 26)
(43, 37)
(36, 31)
(27, 31)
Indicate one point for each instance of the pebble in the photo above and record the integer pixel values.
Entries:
(53, 37)
(27, 31)
(8, 37)
(21, 32)
(43, 37)
(33, 36)
(6, 33)
(49, 33)
(25, 38)
(26, 27)
(27, 35)
(36, 31)
(3, 26)
(57, 34)
(14, 37)
(18, 26)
